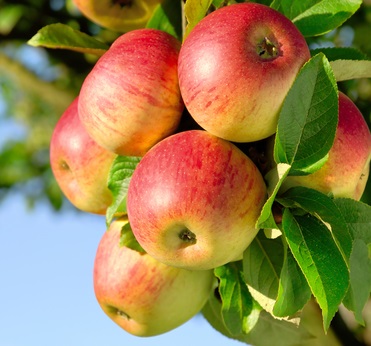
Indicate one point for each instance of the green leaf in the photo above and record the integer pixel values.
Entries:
(275, 178)
(325, 208)
(346, 63)
(263, 2)
(308, 119)
(357, 215)
(267, 331)
(340, 53)
(293, 289)
(219, 3)
(253, 318)
(64, 37)
(319, 259)
(355, 252)
(9, 17)
(168, 17)
(351, 69)
(237, 302)
(262, 264)
(212, 313)
(316, 17)
(194, 11)
(118, 182)
(128, 239)
(360, 280)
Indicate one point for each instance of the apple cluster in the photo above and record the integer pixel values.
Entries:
(195, 113)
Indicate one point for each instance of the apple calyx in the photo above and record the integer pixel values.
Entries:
(187, 236)
(122, 3)
(118, 312)
(64, 165)
(122, 314)
(267, 50)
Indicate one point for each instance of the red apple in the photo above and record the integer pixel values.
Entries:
(142, 295)
(346, 170)
(236, 67)
(79, 164)
(194, 199)
(131, 98)
(118, 15)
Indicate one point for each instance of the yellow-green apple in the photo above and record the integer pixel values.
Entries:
(130, 100)
(140, 294)
(80, 166)
(194, 199)
(236, 67)
(118, 15)
(346, 170)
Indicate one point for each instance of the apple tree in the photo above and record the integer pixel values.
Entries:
(305, 268)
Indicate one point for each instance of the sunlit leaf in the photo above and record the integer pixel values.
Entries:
(275, 179)
(127, 238)
(262, 263)
(194, 11)
(268, 331)
(118, 182)
(346, 62)
(316, 17)
(237, 302)
(351, 69)
(293, 289)
(308, 119)
(168, 17)
(61, 36)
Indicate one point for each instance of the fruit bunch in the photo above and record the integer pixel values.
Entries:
(177, 143)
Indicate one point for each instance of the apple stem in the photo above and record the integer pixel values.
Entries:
(187, 236)
(267, 50)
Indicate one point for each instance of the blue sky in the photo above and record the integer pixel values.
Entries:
(46, 290)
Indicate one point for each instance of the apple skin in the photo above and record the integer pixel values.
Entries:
(118, 15)
(229, 88)
(346, 170)
(130, 100)
(141, 295)
(80, 166)
(194, 199)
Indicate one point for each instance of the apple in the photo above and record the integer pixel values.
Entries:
(80, 166)
(130, 100)
(118, 15)
(194, 199)
(141, 295)
(346, 170)
(236, 67)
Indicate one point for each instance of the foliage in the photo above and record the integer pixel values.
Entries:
(322, 247)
